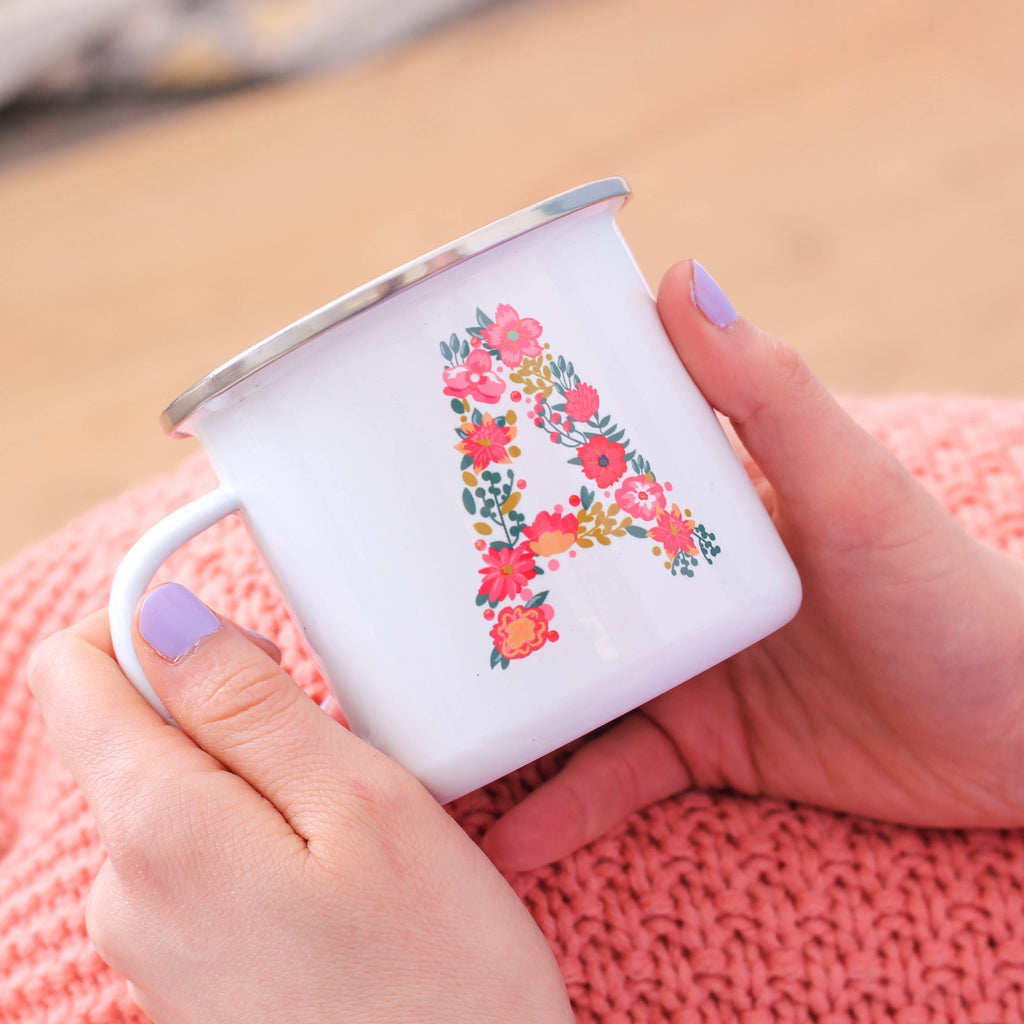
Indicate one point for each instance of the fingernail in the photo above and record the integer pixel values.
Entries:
(710, 299)
(173, 621)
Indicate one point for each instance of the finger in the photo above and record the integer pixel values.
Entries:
(237, 704)
(814, 455)
(625, 769)
(107, 734)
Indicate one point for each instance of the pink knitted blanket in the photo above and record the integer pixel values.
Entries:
(707, 907)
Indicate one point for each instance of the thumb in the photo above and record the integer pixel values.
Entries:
(227, 692)
(806, 445)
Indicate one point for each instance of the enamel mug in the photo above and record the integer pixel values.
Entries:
(498, 508)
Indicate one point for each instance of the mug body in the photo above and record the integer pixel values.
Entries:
(498, 507)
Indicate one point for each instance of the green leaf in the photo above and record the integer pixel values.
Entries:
(446, 351)
(481, 599)
(495, 657)
(475, 331)
(617, 436)
(538, 599)
(477, 417)
(467, 460)
(636, 531)
(574, 461)
(561, 363)
(586, 498)
(467, 500)
(483, 319)
(465, 350)
(457, 407)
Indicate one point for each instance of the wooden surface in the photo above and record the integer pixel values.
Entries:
(853, 174)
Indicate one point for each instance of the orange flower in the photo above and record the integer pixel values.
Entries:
(520, 631)
(551, 534)
(486, 442)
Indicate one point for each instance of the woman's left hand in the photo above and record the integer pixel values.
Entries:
(264, 864)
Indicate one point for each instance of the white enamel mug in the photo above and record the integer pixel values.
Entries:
(495, 503)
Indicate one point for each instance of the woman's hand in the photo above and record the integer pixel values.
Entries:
(898, 690)
(263, 863)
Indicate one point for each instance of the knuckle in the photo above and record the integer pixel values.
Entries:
(793, 372)
(103, 924)
(46, 660)
(245, 696)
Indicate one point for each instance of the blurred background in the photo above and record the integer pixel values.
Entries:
(180, 178)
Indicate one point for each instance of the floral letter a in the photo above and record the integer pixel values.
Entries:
(568, 410)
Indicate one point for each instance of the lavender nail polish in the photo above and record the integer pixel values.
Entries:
(173, 620)
(710, 299)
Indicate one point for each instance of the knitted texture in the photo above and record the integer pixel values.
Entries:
(706, 907)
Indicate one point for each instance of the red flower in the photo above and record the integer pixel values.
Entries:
(520, 631)
(603, 461)
(474, 379)
(551, 534)
(506, 571)
(581, 403)
(485, 442)
(641, 497)
(511, 337)
(674, 532)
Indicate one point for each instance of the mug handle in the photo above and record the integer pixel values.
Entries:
(140, 565)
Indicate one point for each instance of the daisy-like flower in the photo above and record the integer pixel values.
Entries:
(603, 461)
(486, 442)
(506, 572)
(640, 497)
(514, 338)
(474, 379)
(673, 532)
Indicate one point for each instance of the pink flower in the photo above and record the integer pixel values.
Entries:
(674, 532)
(486, 442)
(520, 631)
(511, 337)
(640, 497)
(474, 379)
(551, 534)
(603, 461)
(581, 403)
(506, 572)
